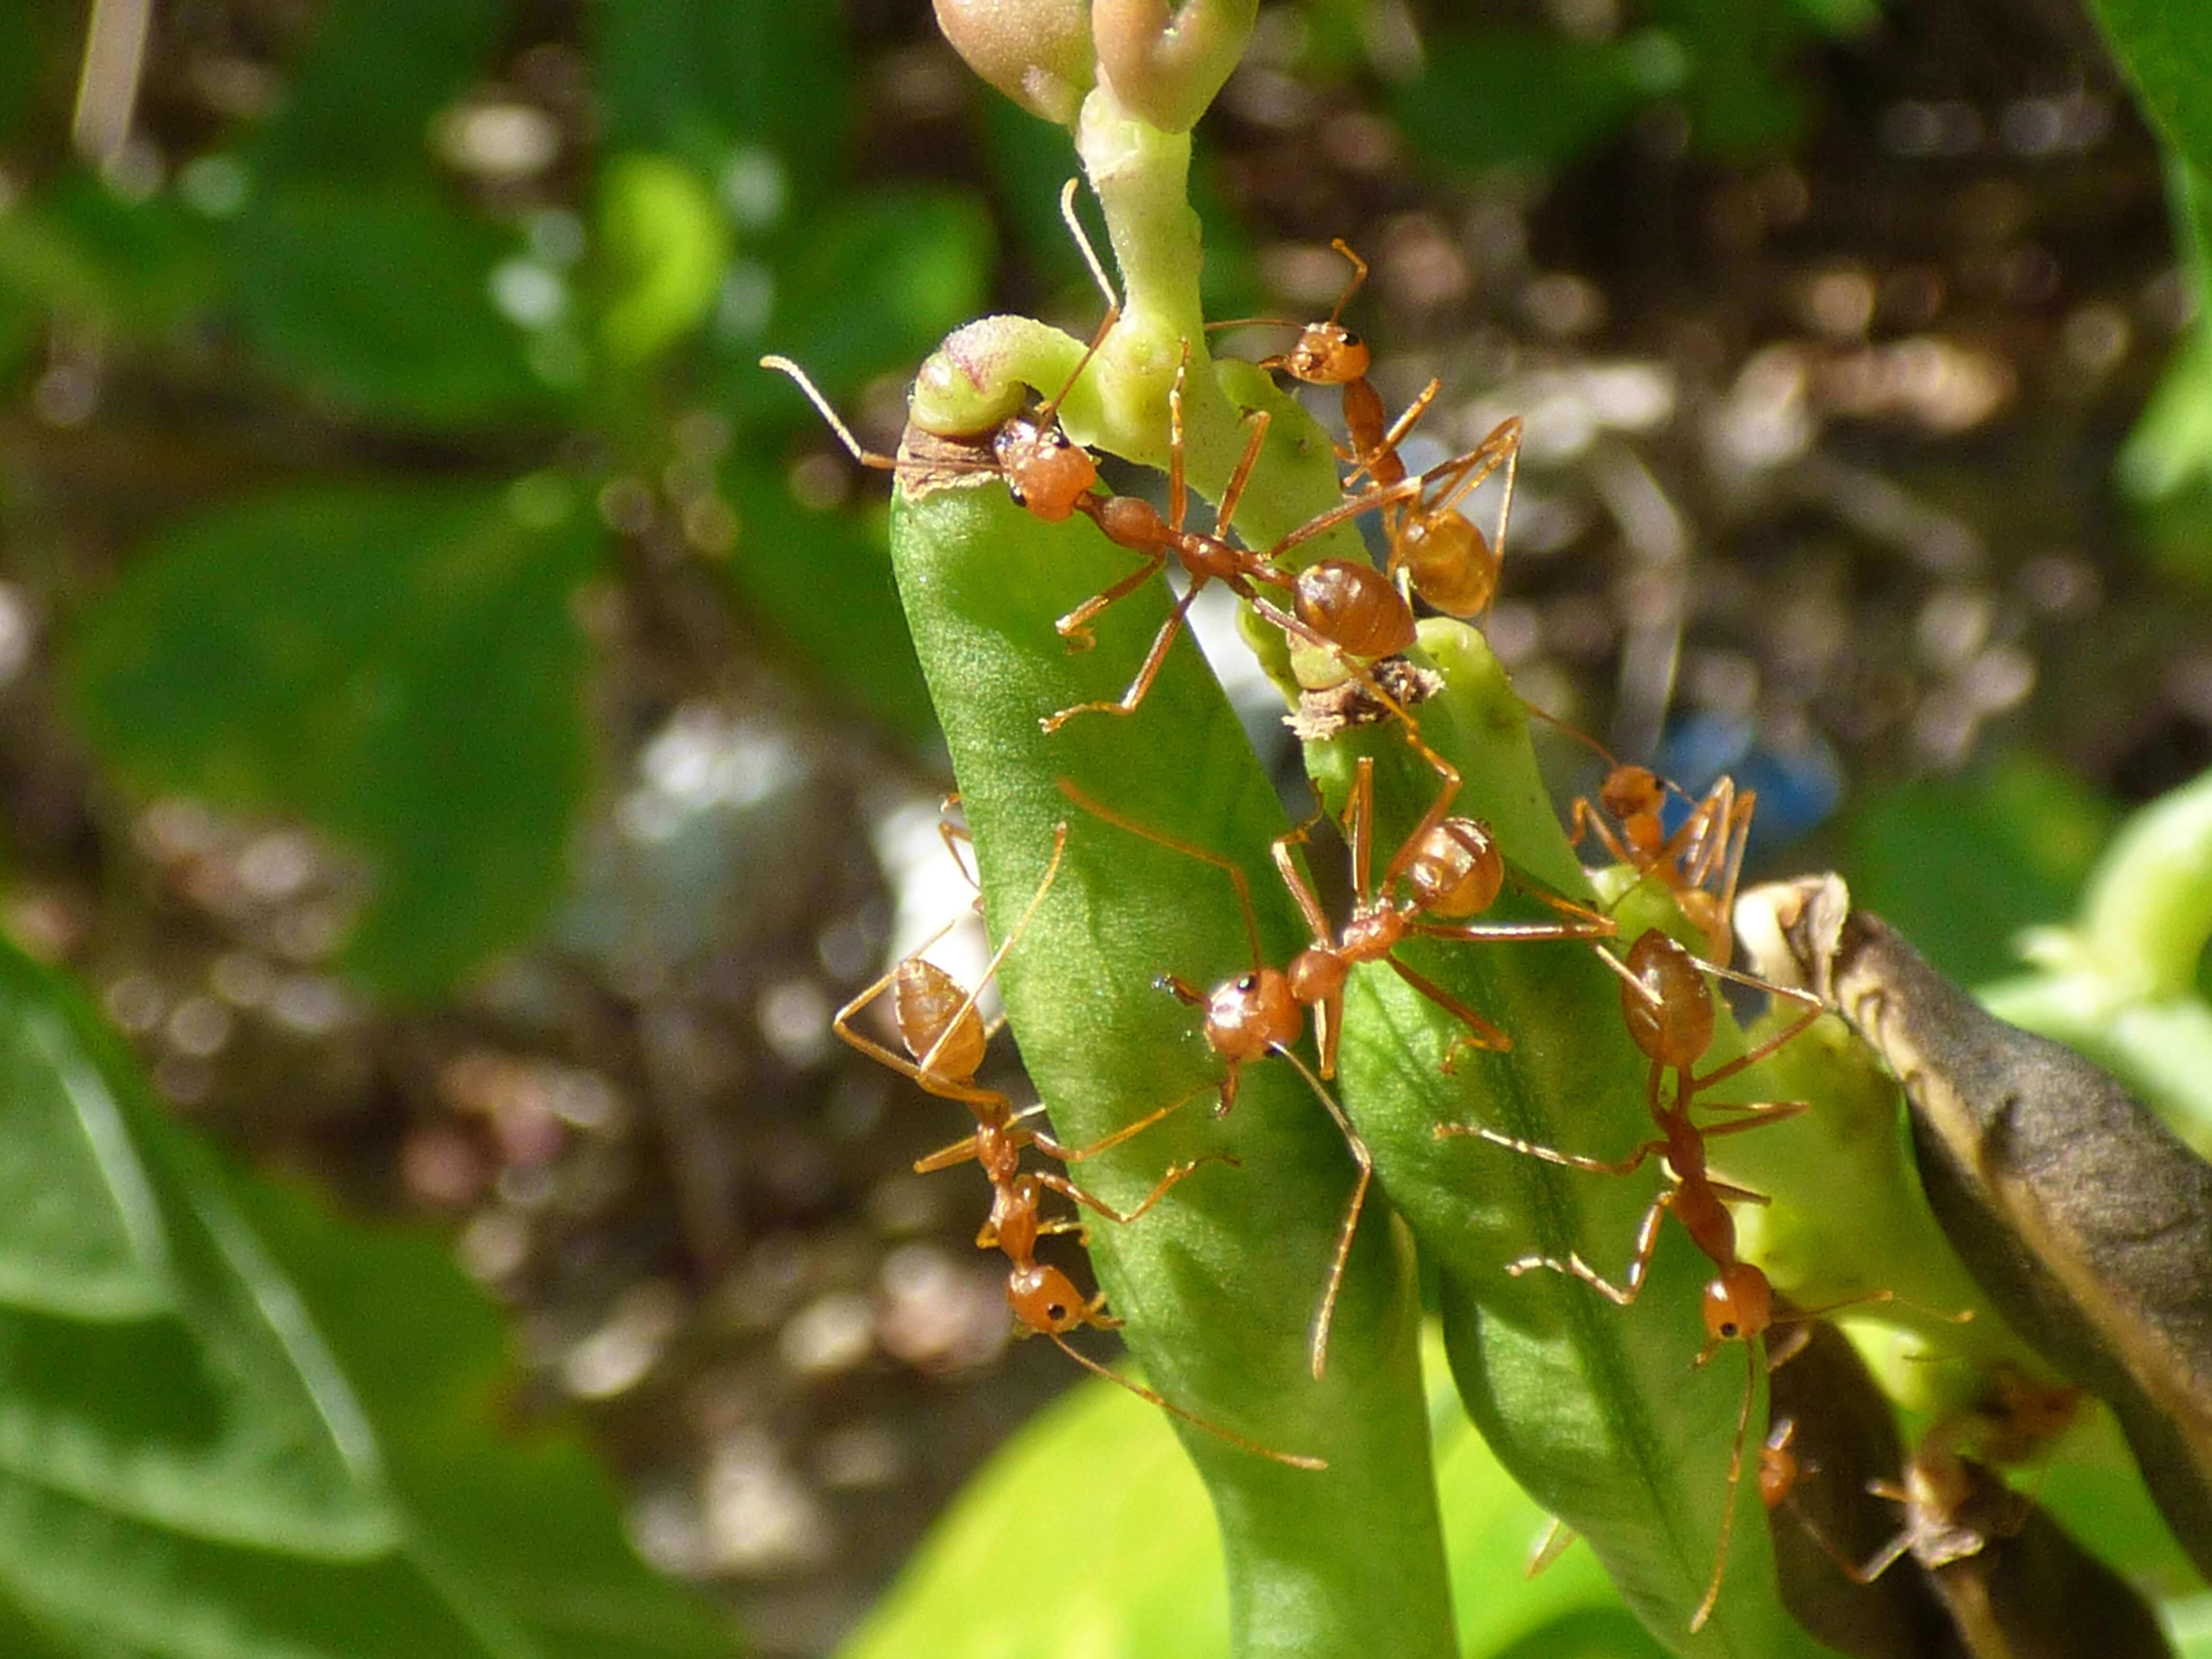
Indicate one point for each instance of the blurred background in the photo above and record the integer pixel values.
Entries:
(454, 718)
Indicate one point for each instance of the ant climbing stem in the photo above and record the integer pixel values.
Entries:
(1047, 473)
(1699, 863)
(1669, 1012)
(945, 1038)
(1046, 1303)
(1345, 607)
(1455, 871)
(1328, 354)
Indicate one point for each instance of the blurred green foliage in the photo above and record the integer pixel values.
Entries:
(1963, 866)
(233, 1430)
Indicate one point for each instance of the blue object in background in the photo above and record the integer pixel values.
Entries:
(1799, 785)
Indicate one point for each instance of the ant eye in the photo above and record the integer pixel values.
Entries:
(1015, 491)
(1056, 1311)
(1250, 982)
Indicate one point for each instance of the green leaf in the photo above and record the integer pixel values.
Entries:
(397, 665)
(664, 246)
(381, 298)
(1103, 1465)
(81, 250)
(824, 581)
(2162, 48)
(165, 1382)
(378, 71)
(202, 1478)
(693, 77)
(520, 1516)
(1218, 1286)
(1965, 865)
(1505, 95)
(19, 64)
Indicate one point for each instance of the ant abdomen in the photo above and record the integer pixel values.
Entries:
(1455, 869)
(1355, 607)
(1449, 562)
(1668, 1011)
(935, 1013)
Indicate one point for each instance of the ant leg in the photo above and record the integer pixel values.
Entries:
(1624, 1294)
(1175, 1173)
(1075, 627)
(1487, 1037)
(1143, 684)
(1629, 1165)
(1233, 493)
(1594, 926)
(1757, 1113)
(1051, 1148)
(946, 1158)
(1813, 1009)
(1734, 1479)
(1174, 1410)
(1326, 1313)
(1359, 275)
(1302, 893)
(1586, 820)
(1050, 407)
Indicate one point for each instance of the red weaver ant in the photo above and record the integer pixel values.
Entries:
(1450, 563)
(1699, 863)
(945, 1038)
(1669, 1013)
(1329, 354)
(1047, 473)
(1342, 605)
(1455, 872)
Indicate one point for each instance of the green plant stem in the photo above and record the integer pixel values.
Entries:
(1596, 1409)
(1220, 1283)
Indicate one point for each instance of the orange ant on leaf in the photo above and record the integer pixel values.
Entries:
(1454, 871)
(1700, 862)
(1340, 605)
(1047, 473)
(1450, 563)
(1669, 1013)
(1329, 354)
(945, 1038)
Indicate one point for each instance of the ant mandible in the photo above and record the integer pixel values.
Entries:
(1668, 1010)
(1047, 473)
(1455, 871)
(945, 1038)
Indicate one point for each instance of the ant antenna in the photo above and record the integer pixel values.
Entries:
(865, 456)
(1050, 407)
